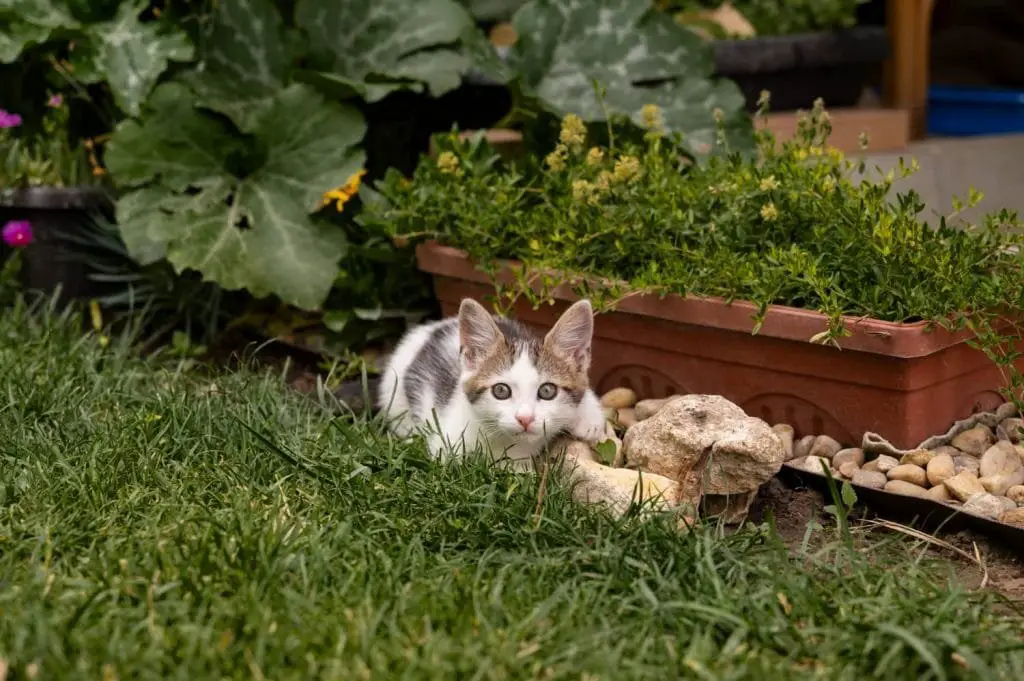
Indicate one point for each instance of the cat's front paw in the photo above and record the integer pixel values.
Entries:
(591, 426)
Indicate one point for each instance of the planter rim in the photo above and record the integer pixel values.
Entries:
(893, 339)
(55, 198)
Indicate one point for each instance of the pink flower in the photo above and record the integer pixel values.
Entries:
(17, 233)
(9, 120)
(55, 101)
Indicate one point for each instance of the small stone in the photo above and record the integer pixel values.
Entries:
(730, 509)
(885, 463)
(940, 493)
(907, 489)
(854, 455)
(907, 472)
(988, 505)
(786, 434)
(619, 398)
(940, 468)
(1000, 484)
(964, 485)
(1010, 429)
(825, 447)
(813, 464)
(966, 462)
(998, 459)
(1016, 494)
(1013, 517)
(848, 469)
(870, 466)
(645, 409)
(626, 417)
(974, 441)
(872, 479)
(803, 446)
(946, 449)
(918, 457)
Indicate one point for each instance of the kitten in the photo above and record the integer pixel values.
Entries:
(482, 380)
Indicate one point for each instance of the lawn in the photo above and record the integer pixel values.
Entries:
(164, 521)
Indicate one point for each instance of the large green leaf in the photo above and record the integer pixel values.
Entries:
(636, 54)
(244, 59)
(243, 229)
(131, 55)
(24, 23)
(386, 44)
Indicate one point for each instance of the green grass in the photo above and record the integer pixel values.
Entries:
(159, 522)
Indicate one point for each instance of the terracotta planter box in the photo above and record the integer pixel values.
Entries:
(898, 380)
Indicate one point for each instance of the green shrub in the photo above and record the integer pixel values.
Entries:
(791, 225)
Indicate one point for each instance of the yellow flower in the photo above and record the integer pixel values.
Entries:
(769, 212)
(650, 117)
(574, 132)
(594, 156)
(448, 163)
(584, 191)
(815, 151)
(341, 195)
(828, 184)
(603, 181)
(556, 159)
(627, 169)
(835, 154)
(800, 154)
(769, 183)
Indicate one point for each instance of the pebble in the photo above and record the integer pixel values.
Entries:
(907, 472)
(1013, 517)
(974, 441)
(964, 485)
(626, 417)
(872, 479)
(847, 469)
(1011, 428)
(1000, 484)
(946, 449)
(1000, 458)
(1016, 494)
(906, 488)
(813, 464)
(645, 409)
(885, 463)
(940, 493)
(803, 446)
(825, 447)
(966, 462)
(610, 414)
(854, 455)
(619, 398)
(940, 468)
(918, 457)
(786, 434)
(988, 505)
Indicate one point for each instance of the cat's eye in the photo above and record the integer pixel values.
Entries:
(501, 391)
(547, 391)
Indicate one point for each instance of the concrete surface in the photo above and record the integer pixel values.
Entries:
(951, 166)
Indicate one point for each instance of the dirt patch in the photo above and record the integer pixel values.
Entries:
(793, 507)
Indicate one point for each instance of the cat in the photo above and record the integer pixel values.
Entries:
(483, 381)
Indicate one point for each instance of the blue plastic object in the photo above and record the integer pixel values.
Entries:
(965, 111)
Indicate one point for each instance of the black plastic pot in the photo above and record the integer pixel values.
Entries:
(55, 258)
(797, 69)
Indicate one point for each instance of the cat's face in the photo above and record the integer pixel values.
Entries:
(521, 388)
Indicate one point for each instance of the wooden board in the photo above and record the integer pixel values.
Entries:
(887, 129)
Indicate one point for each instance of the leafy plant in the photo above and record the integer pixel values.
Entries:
(47, 158)
(777, 17)
(790, 226)
(604, 58)
(111, 42)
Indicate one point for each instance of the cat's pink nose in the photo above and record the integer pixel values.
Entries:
(525, 421)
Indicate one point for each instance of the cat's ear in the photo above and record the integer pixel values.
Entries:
(477, 331)
(571, 334)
